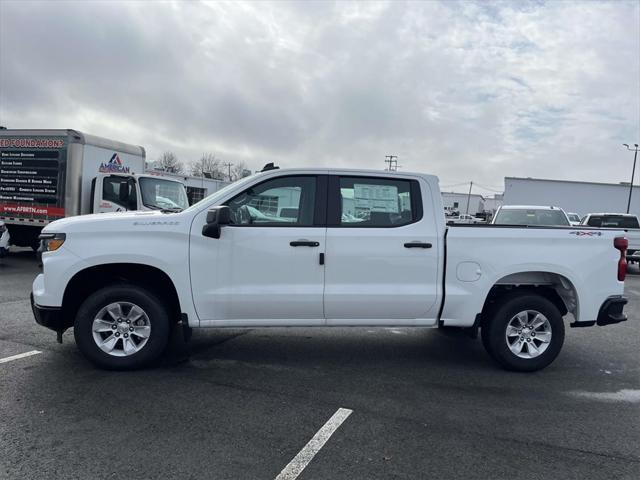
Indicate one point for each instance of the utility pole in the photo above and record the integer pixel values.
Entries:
(392, 160)
(469, 197)
(228, 165)
(635, 157)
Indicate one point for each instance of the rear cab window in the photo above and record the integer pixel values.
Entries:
(613, 221)
(521, 216)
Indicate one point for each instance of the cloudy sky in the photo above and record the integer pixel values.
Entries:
(466, 90)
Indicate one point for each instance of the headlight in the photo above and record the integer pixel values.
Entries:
(51, 241)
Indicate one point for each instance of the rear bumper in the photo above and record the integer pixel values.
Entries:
(610, 312)
(50, 317)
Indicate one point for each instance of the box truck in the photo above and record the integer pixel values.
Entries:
(46, 175)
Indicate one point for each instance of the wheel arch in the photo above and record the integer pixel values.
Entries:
(555, 287)
(93, 278)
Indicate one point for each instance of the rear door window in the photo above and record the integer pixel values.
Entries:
(376, 202)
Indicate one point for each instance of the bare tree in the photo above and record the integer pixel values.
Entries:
(238, 171)
(207, 164)
(168, 162)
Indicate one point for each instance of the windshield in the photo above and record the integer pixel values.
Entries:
(613, 221)
(517, 216)
(573, 217)
(163, 194)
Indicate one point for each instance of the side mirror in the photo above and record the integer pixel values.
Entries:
(220, 215)
(216, 217)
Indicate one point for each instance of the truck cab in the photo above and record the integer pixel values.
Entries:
(124, 192)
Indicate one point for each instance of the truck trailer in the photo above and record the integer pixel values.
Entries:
(46, 175)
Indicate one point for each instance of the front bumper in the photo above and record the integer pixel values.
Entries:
(50, 317)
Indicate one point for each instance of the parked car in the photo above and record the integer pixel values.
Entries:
(357, 248)
(530, 215)
(574, 218)
(464, 218)
(618, 221)
(451, 212)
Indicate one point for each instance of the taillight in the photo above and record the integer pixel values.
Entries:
(621, 243)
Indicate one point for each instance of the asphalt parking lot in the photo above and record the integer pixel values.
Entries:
(242, 404)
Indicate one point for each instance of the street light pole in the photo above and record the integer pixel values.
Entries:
(635, 157)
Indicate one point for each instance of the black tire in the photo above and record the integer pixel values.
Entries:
(494, 330)
(153, 307)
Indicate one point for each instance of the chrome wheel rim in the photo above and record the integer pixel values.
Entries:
(121, 329)
(528, 334)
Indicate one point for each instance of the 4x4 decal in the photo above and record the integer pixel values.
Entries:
(581, 233)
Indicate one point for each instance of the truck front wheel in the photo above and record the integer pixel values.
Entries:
(525, 333)
(122, 327)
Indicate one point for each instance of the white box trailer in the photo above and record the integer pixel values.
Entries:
(46, 175)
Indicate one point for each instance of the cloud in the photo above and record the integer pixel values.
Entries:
(468, 91)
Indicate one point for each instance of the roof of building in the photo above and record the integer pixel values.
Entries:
(463, 194)
(531, 179)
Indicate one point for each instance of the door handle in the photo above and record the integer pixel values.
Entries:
(417, 245)
(304, 243)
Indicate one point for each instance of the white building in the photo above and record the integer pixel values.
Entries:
(458, 202)
(491, 204)
(571, 196)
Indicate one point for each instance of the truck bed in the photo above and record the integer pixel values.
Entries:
(481, 256)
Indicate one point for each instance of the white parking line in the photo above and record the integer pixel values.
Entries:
(20, 355)
(302, 459)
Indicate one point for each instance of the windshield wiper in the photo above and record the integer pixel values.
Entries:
(153, 206)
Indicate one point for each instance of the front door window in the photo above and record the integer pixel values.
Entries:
(285, 201)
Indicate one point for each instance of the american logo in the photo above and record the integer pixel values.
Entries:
(114, 165)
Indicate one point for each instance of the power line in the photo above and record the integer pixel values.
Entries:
(229, 165)
(392, 160)
(490, 189)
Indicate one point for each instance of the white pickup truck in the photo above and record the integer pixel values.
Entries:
(321, 247)
(618, 221)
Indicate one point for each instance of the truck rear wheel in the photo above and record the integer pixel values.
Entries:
(525, 333)
(122, 327)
